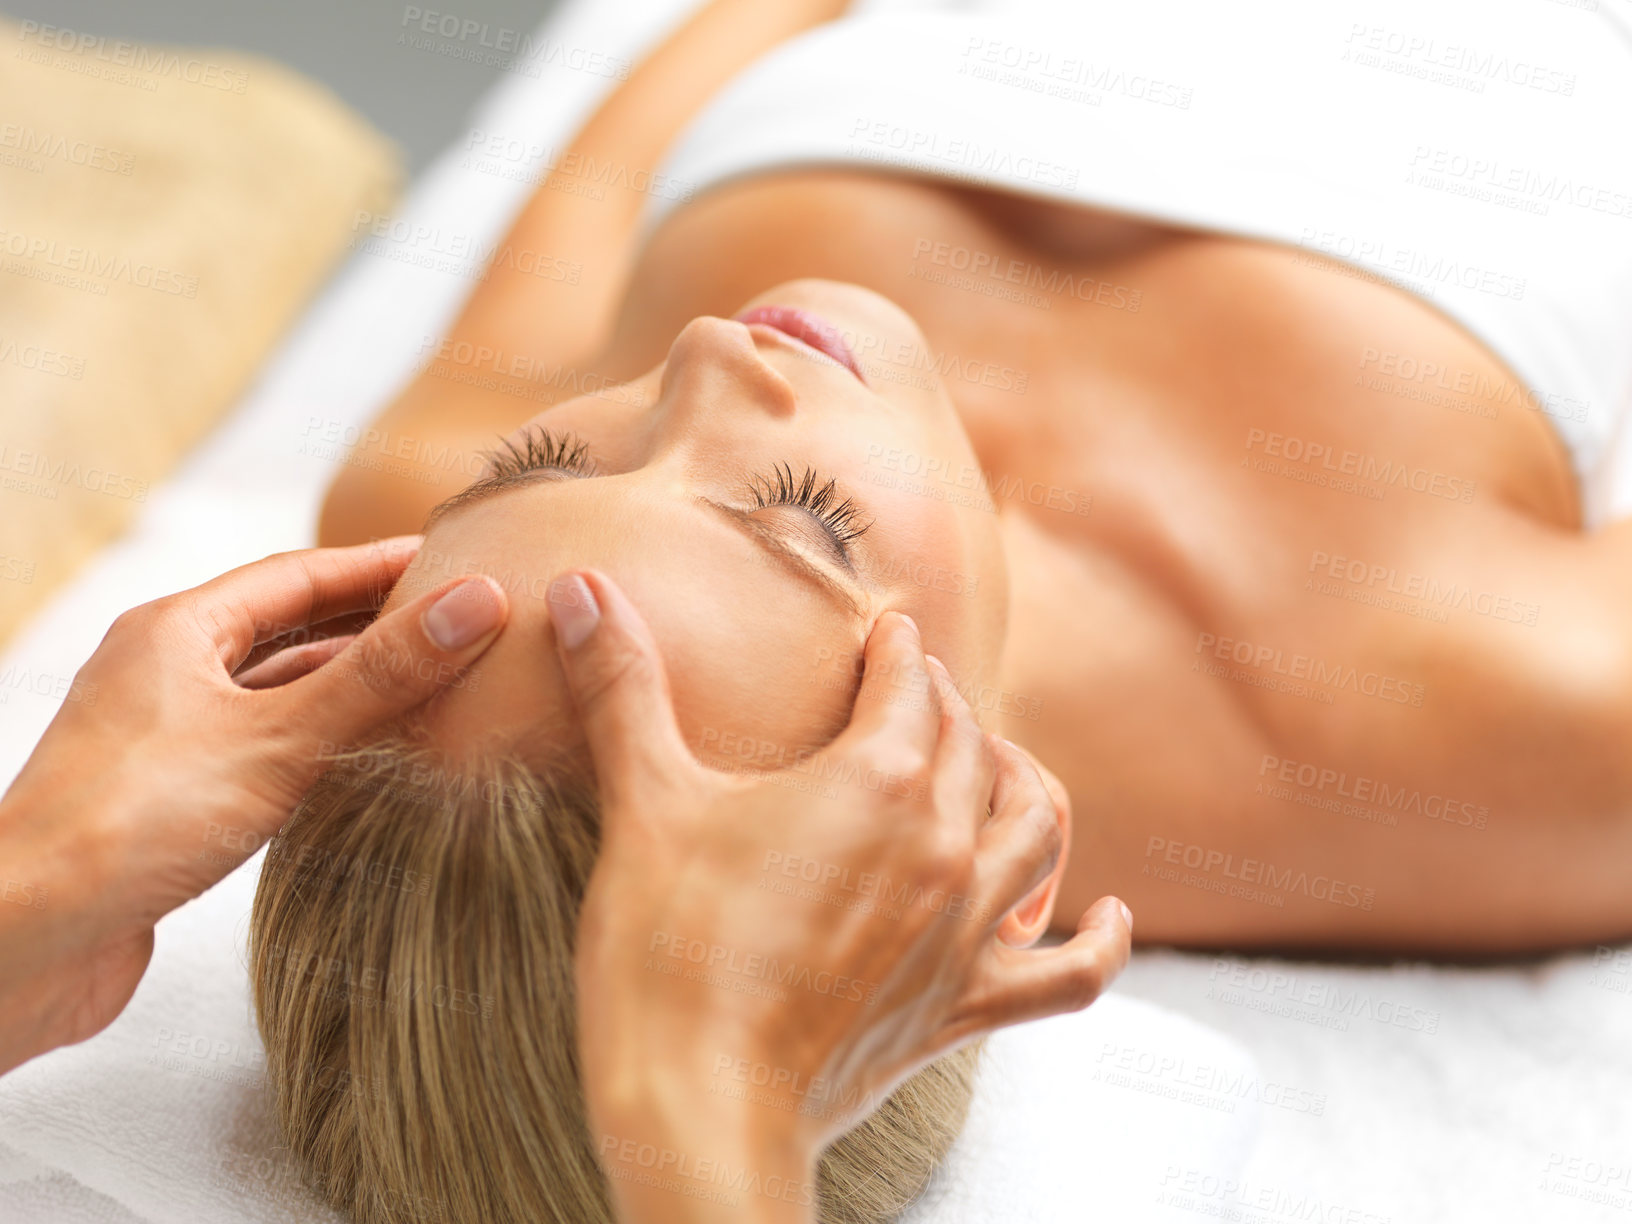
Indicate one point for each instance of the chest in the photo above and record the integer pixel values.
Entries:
(1089, 352)
(1173, 425)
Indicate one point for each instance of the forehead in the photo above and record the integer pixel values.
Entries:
(752, 654)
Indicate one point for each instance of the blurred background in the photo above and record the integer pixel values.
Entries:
(417, 98)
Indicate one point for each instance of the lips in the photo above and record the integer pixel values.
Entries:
(810, 330)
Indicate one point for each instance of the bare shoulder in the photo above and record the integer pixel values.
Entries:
(523, 341)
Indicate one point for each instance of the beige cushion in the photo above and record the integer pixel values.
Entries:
(164, 216)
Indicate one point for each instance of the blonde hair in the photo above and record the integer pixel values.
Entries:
(411, 961)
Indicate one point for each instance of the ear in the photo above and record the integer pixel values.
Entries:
(1025, 924)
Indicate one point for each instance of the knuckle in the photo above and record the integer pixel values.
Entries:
(982, 1007)
(1086, 981)
(1043, 831)
(1004, 750)
(130, 622)
(974, 739)
(288, 754)
(949, 856)
(382, 660)
(143, 619)
(392, 637)
(1057, 792)
(619, 666)
(899, 761)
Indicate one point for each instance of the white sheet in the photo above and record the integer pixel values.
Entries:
(164, 1114)
(1511, 1109)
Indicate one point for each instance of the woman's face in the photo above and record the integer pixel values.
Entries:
(703, 489)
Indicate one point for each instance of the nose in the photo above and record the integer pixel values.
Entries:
(712, 354)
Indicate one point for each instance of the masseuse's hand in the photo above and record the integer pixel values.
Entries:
(895, 940)
(163, 771)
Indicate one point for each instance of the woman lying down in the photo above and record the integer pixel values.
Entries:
(1278, 563)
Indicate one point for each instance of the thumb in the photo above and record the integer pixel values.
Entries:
(619, 686)
(402, 660)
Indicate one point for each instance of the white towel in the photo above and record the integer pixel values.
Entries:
(166, 1115)
(1470, 151)
(59, 1199)
(164, 1112)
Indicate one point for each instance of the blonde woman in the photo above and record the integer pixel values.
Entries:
(1320, 662)
(1176, 515)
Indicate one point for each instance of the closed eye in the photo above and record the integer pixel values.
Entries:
(840, 582)
(539, 450)
(820, 500)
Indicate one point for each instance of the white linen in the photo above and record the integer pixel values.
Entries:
(164, 1114)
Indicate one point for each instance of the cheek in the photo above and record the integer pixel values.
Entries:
(771, 724)
(760, 675)
(928, 548)
(943, 562)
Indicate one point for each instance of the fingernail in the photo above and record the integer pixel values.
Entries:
(911, 624)
(468, 612)
(1127, 914)
(573, 610)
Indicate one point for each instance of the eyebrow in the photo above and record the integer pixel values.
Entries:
(770, 541)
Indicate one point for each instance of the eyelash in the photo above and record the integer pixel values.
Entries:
(821, 498)
(539, 448)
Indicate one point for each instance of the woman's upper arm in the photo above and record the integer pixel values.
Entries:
(582, 224)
